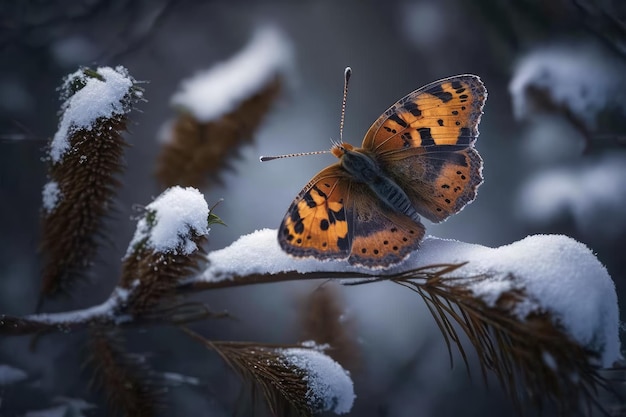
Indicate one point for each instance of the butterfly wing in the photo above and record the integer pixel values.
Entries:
(317, 222)
(335, 217)
(439, 180)
(425, 143)
(380, 236)
(444, 112)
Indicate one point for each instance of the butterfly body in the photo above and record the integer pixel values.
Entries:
(362, 167)
(417, 159)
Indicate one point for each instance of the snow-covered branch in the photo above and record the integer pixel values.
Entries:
(85, 155)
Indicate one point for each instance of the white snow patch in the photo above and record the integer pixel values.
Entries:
(108, 308)
(179, 213)
(580, 77)
(212, 93)
(559, 275)
(10, 375)
(50, 194)
(330, 386)
(97, 99)
(593, 195)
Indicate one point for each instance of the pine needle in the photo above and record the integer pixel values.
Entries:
(534, 359)
(123, 378)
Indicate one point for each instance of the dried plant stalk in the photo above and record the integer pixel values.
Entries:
(85, 184)
(283, 387)
(153, 276)
(86, 180)
(323, 320)
(123, 378)
(198, 152)
(533, 358)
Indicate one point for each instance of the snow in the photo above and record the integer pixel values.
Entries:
(179, 214)
(51, 194)
(558, 274)
(97, 99)
(217, 91)
(580, 76)
(592, 194)
(107, 308)
(10, 375)
(330, 386)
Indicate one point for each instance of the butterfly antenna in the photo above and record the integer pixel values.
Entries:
(346, 78)
(270, 158)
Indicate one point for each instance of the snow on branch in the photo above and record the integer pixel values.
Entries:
(592, 195)
(166, 247)
(557, 274)
(220, 110)
(300, 377)
(88, 96)
(582, 79)
(171, 222)
(211, 94)
(536, 311)
(85, 155)
(329, 385)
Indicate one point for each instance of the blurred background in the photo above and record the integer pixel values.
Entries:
(552, 139)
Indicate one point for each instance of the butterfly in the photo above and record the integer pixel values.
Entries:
(417, 159)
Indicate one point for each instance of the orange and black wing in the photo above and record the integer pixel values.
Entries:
(425, 142)
(335, 217)
(444, 112)
(317, 222)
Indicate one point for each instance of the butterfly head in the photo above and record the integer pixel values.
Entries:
(340, 149)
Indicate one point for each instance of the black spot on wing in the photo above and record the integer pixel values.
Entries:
(438, 92)
(324, 224)
(320, 192)
(343, 243)
(398, 120)
(298, 227)
(295, 214)
(334, 216)
(412, 108)
(465, 136)
(426, 136)
(456, 84)
(440, 155)
(308, 199)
